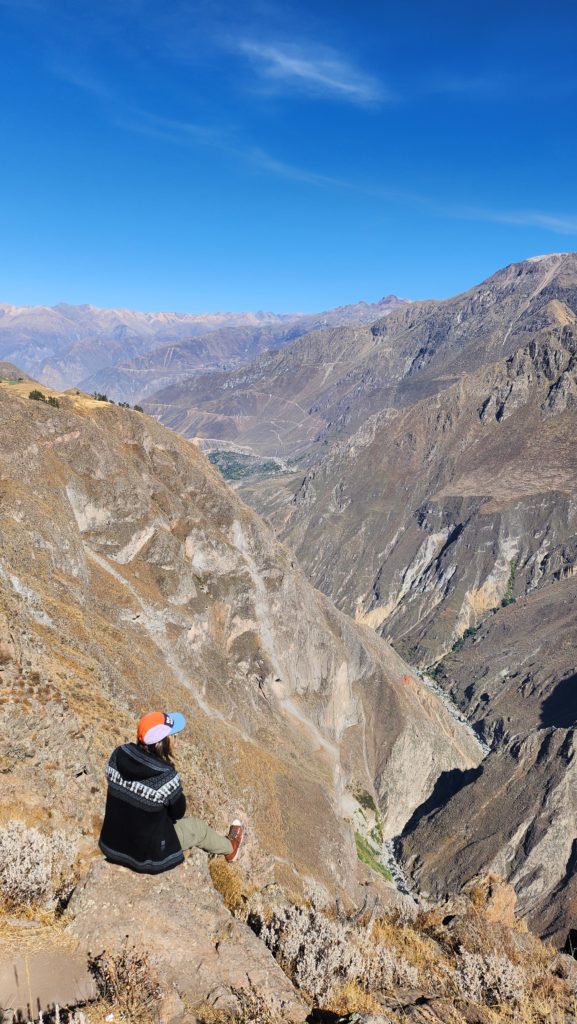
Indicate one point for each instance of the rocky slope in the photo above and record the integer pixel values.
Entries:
(515, 679)
(428, 518)
(449, 526)
(323, 387)
(131, 577)
(442, 515)
(124, 353)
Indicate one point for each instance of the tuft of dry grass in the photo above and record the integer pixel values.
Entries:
(351, 997)
(250, 1008)
(419, 950)
(127, 982)
(227, 881)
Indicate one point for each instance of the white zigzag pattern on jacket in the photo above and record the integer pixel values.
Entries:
(157, 796)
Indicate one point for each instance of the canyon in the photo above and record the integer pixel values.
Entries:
(371, 632)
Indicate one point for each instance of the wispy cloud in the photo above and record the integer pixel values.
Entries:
(228, 141)
(82, 79)
(188, 133)
(292, 66)
(560, 224)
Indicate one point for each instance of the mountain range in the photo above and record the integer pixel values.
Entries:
(126, 354)
(425, 478)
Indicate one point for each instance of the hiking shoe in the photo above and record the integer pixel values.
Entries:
(234, 835)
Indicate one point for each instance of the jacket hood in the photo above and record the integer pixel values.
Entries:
(134, 763)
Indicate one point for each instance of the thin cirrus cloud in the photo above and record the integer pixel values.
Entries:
(559, 224)
(188, 133)
(291, 67)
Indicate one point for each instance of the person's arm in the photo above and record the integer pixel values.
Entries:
(177, 807)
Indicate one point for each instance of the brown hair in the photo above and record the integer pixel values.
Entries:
(163, 749)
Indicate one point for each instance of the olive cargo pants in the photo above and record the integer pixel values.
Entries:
(194, 832)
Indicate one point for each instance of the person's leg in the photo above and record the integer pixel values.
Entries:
(194, 832)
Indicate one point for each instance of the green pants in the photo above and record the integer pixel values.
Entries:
(194, 832)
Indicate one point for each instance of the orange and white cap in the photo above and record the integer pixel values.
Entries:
(156, 725)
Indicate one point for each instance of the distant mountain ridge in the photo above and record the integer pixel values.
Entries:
(127, 353)
(322, 387)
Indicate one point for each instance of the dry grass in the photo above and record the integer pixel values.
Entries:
(127, 982)
(250, 1008)
(417, 949)
(227, 881)
(352, 998)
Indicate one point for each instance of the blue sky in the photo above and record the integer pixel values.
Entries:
(197, 155)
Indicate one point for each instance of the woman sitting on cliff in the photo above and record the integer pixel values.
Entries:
(144, 826)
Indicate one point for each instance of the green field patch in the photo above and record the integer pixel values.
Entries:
(369, 857)
(237, 466)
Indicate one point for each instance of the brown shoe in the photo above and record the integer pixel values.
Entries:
(234, 835)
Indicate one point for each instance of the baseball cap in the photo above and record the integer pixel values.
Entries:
(156, 725)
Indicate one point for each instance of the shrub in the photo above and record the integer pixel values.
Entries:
(333, 961)
(39, 396)
(366, 800)
(34, 866)
(126, 980)
(138, 408)
(489, 978)
(313, 950)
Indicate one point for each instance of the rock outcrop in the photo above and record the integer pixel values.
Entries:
(197, 950)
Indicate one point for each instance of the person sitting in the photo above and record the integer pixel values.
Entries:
(144, 825)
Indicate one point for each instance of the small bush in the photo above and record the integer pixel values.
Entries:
(313, 950)
(34, 866)
(366, 800)
(333, 962)
(138, 408)
(127, 981)
(228, 882)
(490, 979)
(39, 396)
(353, 998)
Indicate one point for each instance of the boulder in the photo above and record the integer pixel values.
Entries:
(196, 947)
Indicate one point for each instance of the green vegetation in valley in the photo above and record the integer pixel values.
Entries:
(237, 466)
(508, 598)
(369, 857)
(366, 800)
(470, 631)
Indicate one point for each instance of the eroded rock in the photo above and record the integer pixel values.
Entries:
(198, 949)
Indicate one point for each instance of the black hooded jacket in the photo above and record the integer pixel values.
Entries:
(144, 800)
